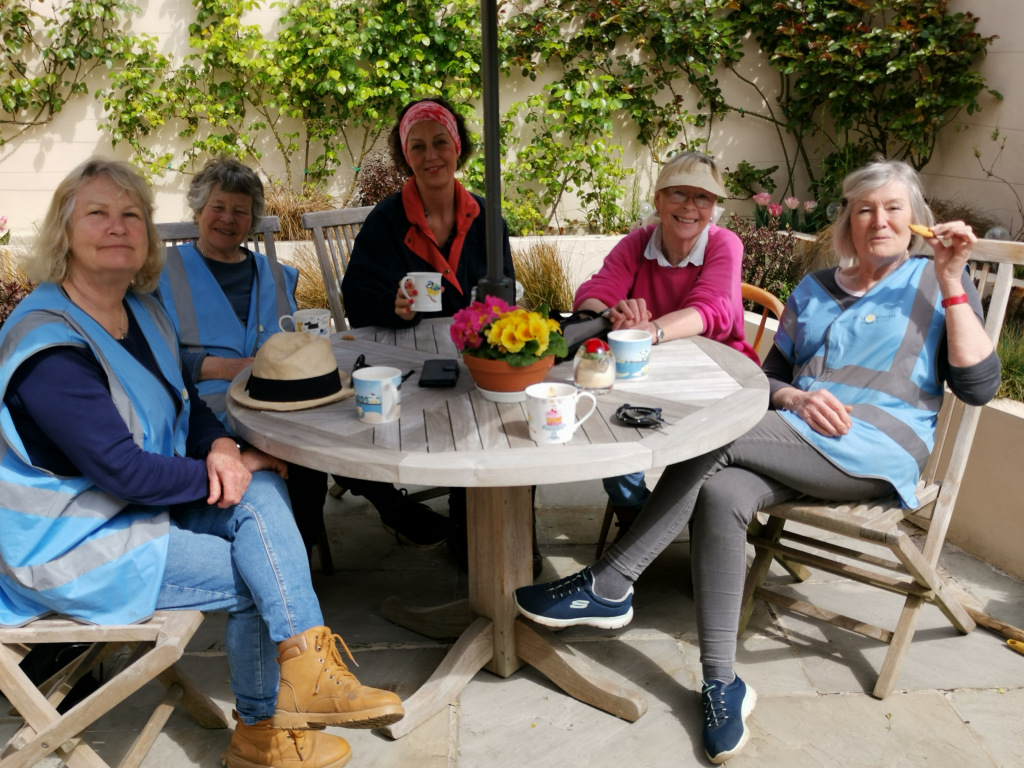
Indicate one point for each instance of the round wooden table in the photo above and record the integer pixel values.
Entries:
(709, 394)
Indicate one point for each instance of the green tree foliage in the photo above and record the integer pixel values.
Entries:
(319, 94)
(325, 83)
(46, 55)
(641, 63)
(861, 77)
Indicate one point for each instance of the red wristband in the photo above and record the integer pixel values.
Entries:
(961, 299)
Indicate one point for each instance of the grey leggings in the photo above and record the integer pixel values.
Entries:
(720, 491)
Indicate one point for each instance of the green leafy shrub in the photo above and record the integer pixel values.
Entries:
(768, 257)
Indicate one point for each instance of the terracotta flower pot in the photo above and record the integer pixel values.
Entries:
(500, 378)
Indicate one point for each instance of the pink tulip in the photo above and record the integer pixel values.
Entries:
(792, 203)
(774, 209)
(762, 198)
(810, 205)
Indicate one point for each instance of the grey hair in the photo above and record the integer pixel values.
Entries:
(229, 175)
(51, 255)
(863, 181)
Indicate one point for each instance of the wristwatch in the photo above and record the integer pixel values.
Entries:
(659, 332)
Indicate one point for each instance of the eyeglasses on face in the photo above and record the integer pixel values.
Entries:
(702, 200)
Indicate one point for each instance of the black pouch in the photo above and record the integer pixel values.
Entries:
(439, 372)
(582, 325)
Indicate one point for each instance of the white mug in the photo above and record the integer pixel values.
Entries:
(427, 286)
(551, 411)
(632, 350)
(378, 394)
(315, 321)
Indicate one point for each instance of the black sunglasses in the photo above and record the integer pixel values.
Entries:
(640, 416)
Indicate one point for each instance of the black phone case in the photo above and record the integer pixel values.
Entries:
(439, 372)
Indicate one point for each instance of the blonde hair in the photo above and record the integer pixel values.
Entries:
(49, 261)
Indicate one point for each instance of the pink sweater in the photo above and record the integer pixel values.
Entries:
(713, 289)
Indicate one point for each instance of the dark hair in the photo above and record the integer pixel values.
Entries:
(231, 176)
(395, 141)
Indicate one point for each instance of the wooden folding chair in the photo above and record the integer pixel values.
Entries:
(153, 648)
(262, 239)
(885, 554)
(770, 306)
(334, 232)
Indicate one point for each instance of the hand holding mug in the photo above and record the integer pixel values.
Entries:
(422, 290)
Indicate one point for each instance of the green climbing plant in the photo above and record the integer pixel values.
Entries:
(48, 53)
(860, 77)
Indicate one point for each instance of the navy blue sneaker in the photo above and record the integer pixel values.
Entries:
(726, 709)
(571, 601)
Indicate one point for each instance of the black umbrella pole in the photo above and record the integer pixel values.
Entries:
(495, 283)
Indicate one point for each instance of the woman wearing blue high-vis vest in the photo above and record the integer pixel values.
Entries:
(225, 301)
(124, 494)
(856, 377)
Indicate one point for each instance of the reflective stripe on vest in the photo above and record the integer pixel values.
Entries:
(879, 356)
(206, 322)
(67, 546)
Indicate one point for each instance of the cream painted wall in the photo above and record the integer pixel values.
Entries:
(31, 166)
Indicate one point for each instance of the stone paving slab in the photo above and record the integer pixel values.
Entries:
(958, 700)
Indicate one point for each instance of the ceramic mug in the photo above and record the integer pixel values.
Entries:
(551, 411)
(427, 286)
(378, 394)
(315, 321)
(632, 350)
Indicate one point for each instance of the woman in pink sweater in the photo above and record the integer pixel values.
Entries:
(676, 278)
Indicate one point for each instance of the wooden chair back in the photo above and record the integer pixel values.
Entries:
(334, 233)
(133, 655)
(770, 307)
(910, 567)
(262, 238)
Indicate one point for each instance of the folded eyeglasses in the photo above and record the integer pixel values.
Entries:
(640, 416)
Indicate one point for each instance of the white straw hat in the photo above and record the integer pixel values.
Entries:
(292, 371)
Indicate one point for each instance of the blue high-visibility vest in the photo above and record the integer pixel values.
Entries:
(880, 356)
(205, 320)
(65, 545)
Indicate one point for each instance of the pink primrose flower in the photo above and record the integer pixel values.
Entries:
(774, 209)
(792, 203)
(762, 198)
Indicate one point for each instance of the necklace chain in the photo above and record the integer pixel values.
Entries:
(122, 320)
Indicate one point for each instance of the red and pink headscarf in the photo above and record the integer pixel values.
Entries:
(423, 111)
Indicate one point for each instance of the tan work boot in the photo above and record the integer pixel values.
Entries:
(317, 688)
(263, 746)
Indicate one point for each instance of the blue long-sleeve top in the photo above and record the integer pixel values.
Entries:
(61, 405)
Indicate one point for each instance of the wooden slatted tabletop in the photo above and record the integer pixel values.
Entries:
(709, 394)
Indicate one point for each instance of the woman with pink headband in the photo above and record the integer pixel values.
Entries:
(432, 225)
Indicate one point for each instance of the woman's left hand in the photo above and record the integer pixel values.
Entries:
(227, 473)
(630, 313)
(951, 259)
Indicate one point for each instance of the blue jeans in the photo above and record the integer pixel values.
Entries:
(627, 490)
(248, 561)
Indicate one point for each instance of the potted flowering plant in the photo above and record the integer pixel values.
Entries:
(506, 348)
